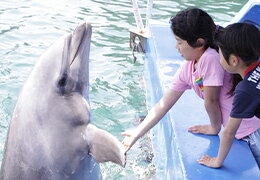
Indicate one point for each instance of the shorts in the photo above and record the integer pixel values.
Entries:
(253, 140)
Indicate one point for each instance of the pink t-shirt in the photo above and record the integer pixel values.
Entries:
(209, 72)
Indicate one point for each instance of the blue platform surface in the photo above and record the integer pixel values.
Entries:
(176, 151)
(250, 13)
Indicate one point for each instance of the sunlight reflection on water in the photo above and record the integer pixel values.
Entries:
(27, 28)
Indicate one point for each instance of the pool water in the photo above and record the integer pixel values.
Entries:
(117, 95)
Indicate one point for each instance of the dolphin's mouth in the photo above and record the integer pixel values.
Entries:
(80, 39)
(74, 75)
(79, 64)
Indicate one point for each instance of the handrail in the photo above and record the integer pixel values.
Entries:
(137, 15)
(148, 13)
(138, 19)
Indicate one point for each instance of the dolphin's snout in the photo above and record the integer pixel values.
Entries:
(77, 61)
(80, 43)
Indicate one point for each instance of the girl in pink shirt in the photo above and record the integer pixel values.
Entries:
(209, 72)
(194, 29)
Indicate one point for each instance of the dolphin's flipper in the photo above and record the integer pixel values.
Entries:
(104, 147)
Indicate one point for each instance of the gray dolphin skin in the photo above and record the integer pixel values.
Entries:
(50, 136)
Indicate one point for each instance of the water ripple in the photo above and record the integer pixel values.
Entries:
(117, 96)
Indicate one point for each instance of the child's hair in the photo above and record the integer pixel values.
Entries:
(193, 23)
(240, 39)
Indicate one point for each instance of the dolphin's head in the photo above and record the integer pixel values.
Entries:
(59, 83)
(64, 67)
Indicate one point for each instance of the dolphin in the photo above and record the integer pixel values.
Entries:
(50, 135)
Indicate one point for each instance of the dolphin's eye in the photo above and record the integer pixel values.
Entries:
(62, 81)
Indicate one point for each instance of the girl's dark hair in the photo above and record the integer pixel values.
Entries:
(242, 40)
(193, 23)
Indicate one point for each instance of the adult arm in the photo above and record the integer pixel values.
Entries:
(152, 118)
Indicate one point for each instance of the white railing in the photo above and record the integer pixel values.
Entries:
(138, 19)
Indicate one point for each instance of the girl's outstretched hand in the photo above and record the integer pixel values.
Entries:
(209, 161)
(130, 138)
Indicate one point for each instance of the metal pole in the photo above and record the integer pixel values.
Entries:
(137, 15)
(148, 13)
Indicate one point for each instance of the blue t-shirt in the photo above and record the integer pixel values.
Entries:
(246, 102)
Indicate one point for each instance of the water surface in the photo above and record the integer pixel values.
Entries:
(28, 28)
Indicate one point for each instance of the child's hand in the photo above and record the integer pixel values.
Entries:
(209, 161)
(130, 139)
(203, 129)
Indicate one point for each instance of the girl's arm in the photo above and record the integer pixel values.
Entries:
(211, 102)
(226, 141)
(152, 118)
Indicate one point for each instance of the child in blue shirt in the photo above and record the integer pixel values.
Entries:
(239, 49)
